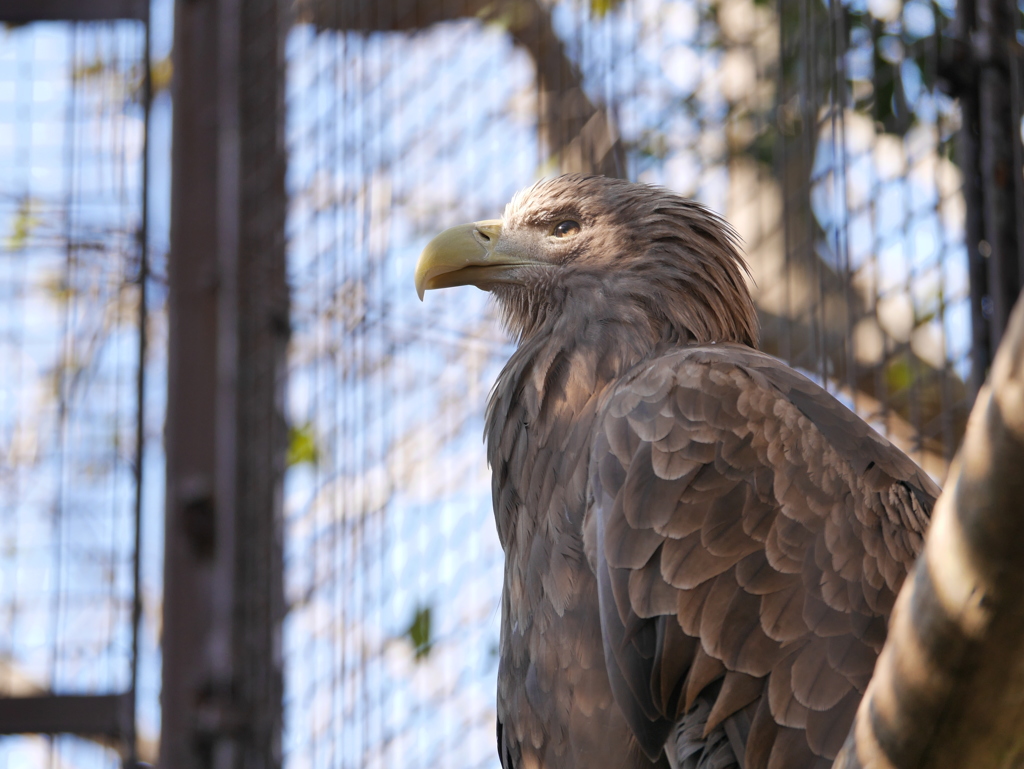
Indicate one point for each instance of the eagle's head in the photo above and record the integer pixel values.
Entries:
(579, 244)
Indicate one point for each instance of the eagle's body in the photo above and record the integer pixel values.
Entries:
(702, 546)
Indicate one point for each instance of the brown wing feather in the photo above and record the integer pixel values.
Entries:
(739, 499)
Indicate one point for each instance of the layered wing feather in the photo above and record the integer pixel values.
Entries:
(751, 536)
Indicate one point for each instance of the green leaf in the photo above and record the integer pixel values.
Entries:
(762, 149)
(302, 445)
(161, 73)
(600, 8)
(25, 221)
(899, 376)
(419, 632)
(95, 69)
(653, 144)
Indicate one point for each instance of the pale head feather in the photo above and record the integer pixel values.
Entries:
(642, 247)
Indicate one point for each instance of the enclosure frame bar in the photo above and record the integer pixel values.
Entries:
(981, 66)
(222, 704)
(26, 11)
(131, 738)
(110, 715)
(197, 672)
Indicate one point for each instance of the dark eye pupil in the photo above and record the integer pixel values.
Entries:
(566, 228)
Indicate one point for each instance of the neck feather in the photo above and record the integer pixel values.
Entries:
(544, 403)
(561, 366)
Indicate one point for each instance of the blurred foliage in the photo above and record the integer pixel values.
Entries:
(26, 219)
(899, 374)
(94, 69)
(601, 8)
(419, 632)
(889, 59)
(302, 445)
(101, 72)
(161, 72)
(653, 144)
(58, 288)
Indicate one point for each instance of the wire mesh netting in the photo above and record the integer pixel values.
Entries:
(819, 131)
(72, 146)
(877, 293)
(391, 576)
(70, 350)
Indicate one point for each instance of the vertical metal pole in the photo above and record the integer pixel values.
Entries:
(196, 661)
(983, 68)
(225, 436)
(131, 754)
(263, 317)
(997, 51)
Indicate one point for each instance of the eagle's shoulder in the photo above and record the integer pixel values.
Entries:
(735, 373)
(739, 505)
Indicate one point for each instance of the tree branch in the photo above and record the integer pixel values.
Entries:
(578, 135)
(948, 689)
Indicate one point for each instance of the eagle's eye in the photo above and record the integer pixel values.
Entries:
(566, 229)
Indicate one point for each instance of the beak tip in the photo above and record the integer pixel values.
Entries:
(451, 251)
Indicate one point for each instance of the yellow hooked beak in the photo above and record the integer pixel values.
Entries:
(466, 255)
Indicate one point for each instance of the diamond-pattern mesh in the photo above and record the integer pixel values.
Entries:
(852, 217)
(819, 130)
(72, 140)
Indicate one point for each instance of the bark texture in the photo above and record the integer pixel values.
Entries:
(949, 687)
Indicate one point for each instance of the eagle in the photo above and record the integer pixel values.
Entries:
(702, 545)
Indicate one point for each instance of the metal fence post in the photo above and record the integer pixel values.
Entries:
(983, 68)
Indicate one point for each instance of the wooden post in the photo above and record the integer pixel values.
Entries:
(225, 435)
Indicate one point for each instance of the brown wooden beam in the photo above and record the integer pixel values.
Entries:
(108, 714)
(26, 11)
(197, 552)
(225, 435)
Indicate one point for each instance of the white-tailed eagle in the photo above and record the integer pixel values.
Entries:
(702, 546)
